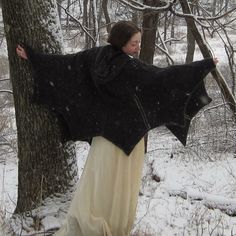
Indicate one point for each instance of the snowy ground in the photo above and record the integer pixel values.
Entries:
(180, 195)
(189, 196)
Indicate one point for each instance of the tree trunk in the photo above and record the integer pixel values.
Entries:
(85, 22)
(149, 27)
(206, 53)
(172, 31)
(190, 46)
(106, 15)
(67, 16)
(226, 5)
(45, 165)
(165, 25)
(59, 10)
(135, 17)
(91, 25)
(214, 7)
(190, 43)
(94, 17)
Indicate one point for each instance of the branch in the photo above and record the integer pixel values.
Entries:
(165, 50)
(6, 91)
(229, 49)
(4, 80)
(169, 7)
(198, 18)
(214, 17)
(167, 41)
(188, 15)
(141, 7)
(5, 144)
(206, 52)
(217, 17)
(76, 20)
(173, 40)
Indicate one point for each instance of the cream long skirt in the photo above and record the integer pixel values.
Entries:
(106, 199)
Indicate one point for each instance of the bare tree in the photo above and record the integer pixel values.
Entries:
(86, 21)
(214, 7)
(190, 42)
(59, 10)
(45, 165)
(207, 53)
(106, 15)
(149, 27)
(67, 17)
(95, 22)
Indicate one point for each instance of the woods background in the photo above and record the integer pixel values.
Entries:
(173, 32)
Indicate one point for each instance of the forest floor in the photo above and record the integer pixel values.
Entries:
(182, 193)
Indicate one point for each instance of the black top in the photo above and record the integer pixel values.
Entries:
(104, 92)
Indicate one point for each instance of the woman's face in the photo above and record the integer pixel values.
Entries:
(132, 47)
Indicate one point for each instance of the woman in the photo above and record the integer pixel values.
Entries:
(124, 100)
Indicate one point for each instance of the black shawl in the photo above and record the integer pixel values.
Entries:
(104, 92)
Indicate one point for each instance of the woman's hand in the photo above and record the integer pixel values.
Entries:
(21, 52)
(215, 60)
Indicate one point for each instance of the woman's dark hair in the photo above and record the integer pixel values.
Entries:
(121, 33)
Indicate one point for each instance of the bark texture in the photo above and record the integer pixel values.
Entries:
(45, 165)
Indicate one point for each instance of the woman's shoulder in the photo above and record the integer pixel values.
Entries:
(97, 49)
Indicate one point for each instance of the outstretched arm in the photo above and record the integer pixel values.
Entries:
(53, 74)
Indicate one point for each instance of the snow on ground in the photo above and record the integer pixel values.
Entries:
(186, 200)
(8, 185)
(180, 204)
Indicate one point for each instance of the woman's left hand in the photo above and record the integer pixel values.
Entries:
(21, 52)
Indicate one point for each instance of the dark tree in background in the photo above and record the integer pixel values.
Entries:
(45, 165)
(190, 42)
(149, 27)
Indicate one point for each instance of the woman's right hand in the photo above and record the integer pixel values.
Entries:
(21, 52)
(215, 60)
